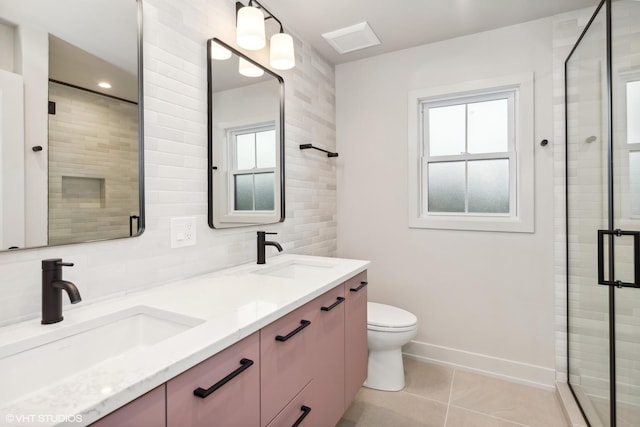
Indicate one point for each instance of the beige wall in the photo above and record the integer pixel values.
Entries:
(484, 300)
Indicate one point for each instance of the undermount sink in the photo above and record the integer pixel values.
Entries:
(40, 362)
(296, 269)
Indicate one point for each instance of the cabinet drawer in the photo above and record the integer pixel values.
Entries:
(328, 378)
(356, 350)
(299, 412)
(286, 359)
(235, 402)
(146, 411)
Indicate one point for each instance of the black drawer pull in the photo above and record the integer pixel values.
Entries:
(303, 324)
(334, 305)
(362, 285)
(202, 393)
(305, 411)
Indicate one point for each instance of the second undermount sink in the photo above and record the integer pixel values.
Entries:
(296, 269)
(40, 362)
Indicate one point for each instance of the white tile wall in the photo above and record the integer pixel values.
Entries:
(175, 126)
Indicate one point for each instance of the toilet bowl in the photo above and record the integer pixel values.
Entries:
(388, 329)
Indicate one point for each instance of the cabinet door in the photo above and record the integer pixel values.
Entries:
(227, 387)
(146, 411)
(286, 355)
(301, 411)
(328, 379)
(356, 352)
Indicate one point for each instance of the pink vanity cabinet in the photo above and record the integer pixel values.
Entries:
(355, 335)
(328, 364)
(303, 369)
(298, 412)
(146, 411)
(286, 355)
(224, 390)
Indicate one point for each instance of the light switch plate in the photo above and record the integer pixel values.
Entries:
(183, 231)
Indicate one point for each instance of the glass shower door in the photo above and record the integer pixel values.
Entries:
(587, 212)
(625, 78)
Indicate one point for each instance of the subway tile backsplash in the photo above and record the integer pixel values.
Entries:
(175, 84)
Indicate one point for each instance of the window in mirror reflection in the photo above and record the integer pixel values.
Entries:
(253, 151)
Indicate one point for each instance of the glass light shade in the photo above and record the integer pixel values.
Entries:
(246, 68)
(219, 52)
(250, 28)
(281, 52)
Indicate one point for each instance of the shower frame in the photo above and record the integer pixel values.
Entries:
(610, 233)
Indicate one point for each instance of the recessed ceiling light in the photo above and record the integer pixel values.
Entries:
(105, 85)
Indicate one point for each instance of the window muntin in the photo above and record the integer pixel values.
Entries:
(469, 153)
(252, 175)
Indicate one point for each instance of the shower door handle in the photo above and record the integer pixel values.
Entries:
(636, 256)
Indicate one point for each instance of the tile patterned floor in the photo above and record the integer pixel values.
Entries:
(436, 396)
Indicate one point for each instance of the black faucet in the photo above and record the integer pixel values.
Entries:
(52, 287)
(262, 244)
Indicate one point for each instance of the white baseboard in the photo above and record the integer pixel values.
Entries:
(509, 370)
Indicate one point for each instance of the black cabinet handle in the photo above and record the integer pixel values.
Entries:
(303, 324)
(305, 411)
(202, 393)
(362, 285)
(339, 300)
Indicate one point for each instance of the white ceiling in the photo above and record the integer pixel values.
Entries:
(406, 23)
(90, 41)
(103, 27)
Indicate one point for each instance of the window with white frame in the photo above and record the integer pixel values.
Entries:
(253, 169)
(471, 156)
(631, 150)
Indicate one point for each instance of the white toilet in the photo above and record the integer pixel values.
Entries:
(388, 329)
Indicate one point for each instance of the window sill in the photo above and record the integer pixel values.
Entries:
(474, 223)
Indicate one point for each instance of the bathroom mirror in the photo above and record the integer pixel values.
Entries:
(71, 166)
(246, 140)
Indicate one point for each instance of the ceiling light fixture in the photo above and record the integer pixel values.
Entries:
(250, 35)
(105, 85)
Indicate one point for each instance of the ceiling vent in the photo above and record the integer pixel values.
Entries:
(352, 38)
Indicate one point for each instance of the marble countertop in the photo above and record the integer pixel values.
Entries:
(229, 305)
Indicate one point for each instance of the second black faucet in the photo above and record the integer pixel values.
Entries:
(263, 243)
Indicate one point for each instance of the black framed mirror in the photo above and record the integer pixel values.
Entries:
(71, 122)
(245, 140)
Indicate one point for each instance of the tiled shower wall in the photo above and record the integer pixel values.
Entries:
(175, 97)
(589, 315)
(93, 166)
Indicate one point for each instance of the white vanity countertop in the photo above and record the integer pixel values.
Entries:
(232, 304)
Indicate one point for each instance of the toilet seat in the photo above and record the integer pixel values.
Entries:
(386, 318)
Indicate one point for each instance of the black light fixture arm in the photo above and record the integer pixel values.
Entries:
(239, 5)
